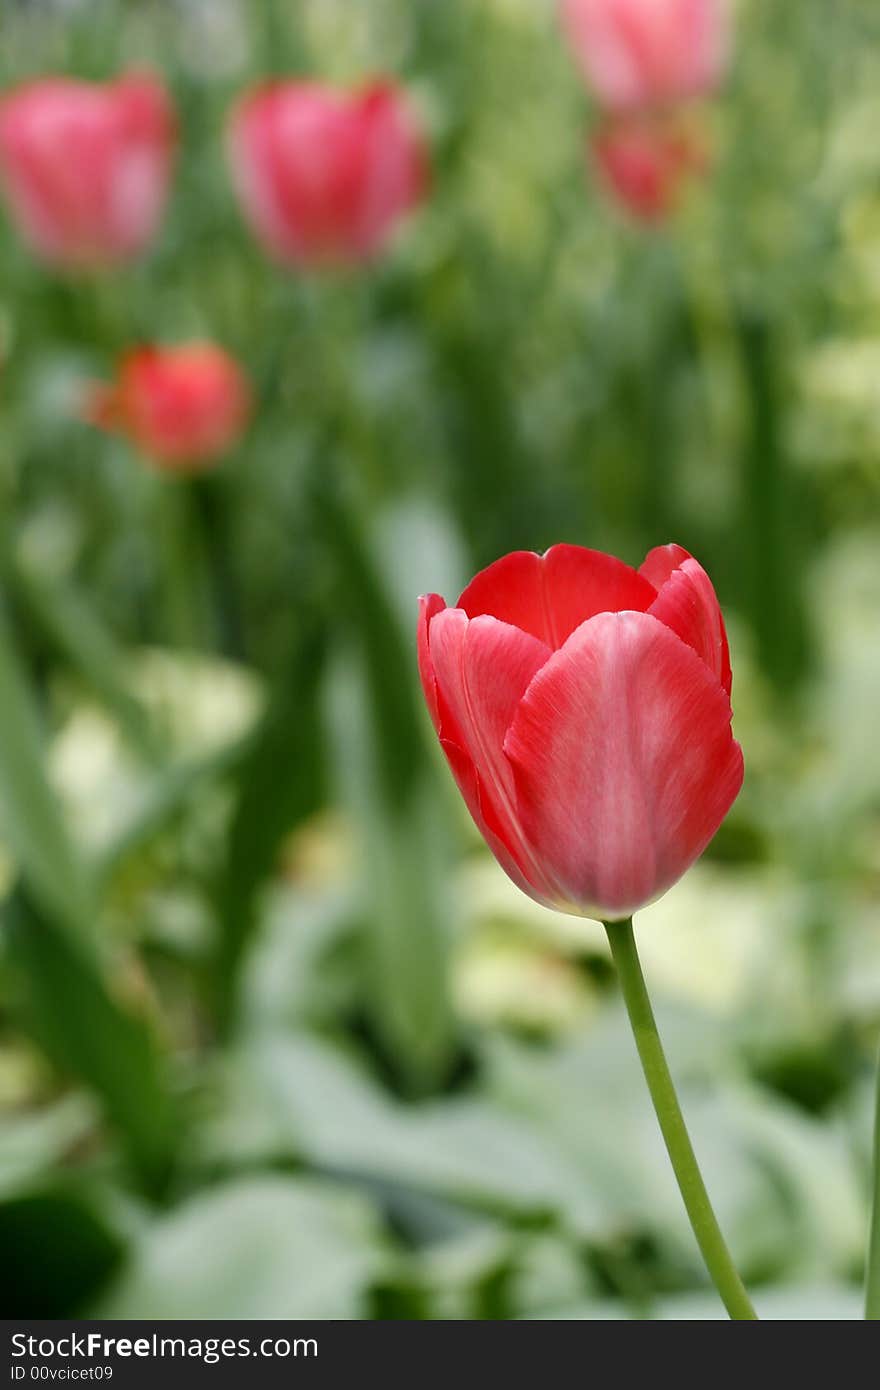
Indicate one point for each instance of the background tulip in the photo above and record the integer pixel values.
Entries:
(645, 162)
(183, 407)
(325, 175)
(638, 53)
(85, 167)
(584, 708)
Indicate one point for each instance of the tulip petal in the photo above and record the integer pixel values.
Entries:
(481, 668)
(429, 606)
(85, 166)
(324, 175)
(487, 820)
(624, 763)
(550, 595)
(686, 602)
(643, 53)
(659, 563)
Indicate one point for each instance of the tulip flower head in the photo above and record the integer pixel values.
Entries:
(584, 709)
(325, 176)
(646, 162)
(182, 407)
(85, 167)
(642, 53)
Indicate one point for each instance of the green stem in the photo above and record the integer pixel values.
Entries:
(672, 1126)
(872, 1286)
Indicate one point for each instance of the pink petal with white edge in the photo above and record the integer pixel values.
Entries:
(482, 667)
(687, 603)
(550, 595)
(624, 763)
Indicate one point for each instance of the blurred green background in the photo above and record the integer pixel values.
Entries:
(278, 1038)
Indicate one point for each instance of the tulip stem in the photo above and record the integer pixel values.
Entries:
(672, 1126)
(872, 1286)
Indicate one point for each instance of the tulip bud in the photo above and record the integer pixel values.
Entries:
(85, 167)
(584, 709)
(645, 162)
(323, 176)
(641, 53)
(182, 407)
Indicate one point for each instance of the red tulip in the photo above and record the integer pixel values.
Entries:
(646, 161)
(325, 176)
(638, 53)
(584, 708)
(183, 407)
(85, 167)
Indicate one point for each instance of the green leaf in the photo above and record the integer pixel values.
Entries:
(36, 1141)
(396, 722)
(267, 1247)
(164, 797)
(278, 784)
(389, 784)
(405, 895)
(810, 1303)
(805, 1303)
(65, 1250)
(29, 816)
(306, 1098)
(59, 995)
(589, 1099)
(74, 629)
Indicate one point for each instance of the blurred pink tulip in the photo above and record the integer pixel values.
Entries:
(584, 709)
(324, 176)
(85, 168)
(182, 407)
(646, 162)
(640, 53)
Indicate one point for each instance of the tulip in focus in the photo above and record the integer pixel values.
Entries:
(646, 162)
(85, 167)
(643, 53)
(182, 407)
(325, 176)
(584, 708)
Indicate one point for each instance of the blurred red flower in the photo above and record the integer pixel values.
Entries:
(324, 176)
(646, 161)
(639, 53)
(182, 407)
(85, 167)
(584, 709)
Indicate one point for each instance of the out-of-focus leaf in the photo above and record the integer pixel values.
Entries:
(406, 901)
(60, 1251)
(389, 783)
(590, 1100)
(772, 508)
(467, 1276)
(818, 1173)
(74, 629)
(388, 661)
(33, 1142)
(300, 971)
(165, 794)
(810, 1303)
(278, 784)
(310, 1100)
(267, 1247)
(29, 817)
(62, 999)
(785, 1187)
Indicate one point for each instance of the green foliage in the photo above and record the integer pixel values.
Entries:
(278, 1039)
